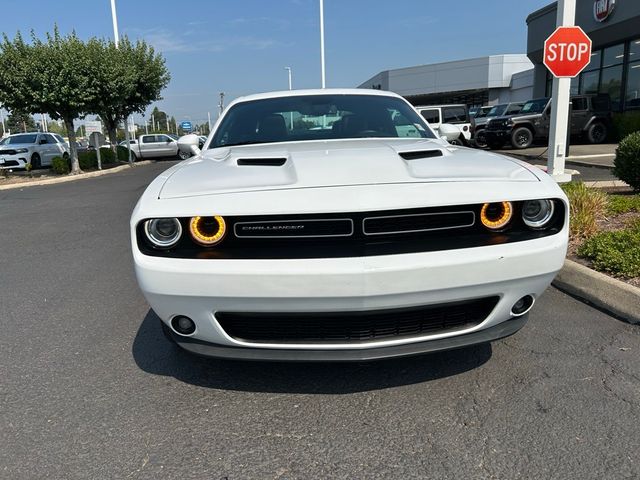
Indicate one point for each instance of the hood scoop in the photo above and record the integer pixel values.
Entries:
(421, 154)
(261, 162)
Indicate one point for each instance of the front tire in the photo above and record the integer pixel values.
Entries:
(521, 138)
(182, 155)
(597, 133)
(35, 161)
(481, 139)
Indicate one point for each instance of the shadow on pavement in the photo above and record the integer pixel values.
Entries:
(153, 353)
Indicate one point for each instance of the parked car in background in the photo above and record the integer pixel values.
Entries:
(590, 119)
(480, 123)
(457, 115)
(352, 243)
(37, 149)
(479, 112)
(158, 145)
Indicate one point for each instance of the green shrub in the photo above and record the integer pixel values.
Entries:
(625, 124)
(88, 160)
(626, 165)
(59, 165)
(616, 252)
(623, 203)
(586, 206)
(123, 153)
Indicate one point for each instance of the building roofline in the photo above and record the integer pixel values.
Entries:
(541, 12)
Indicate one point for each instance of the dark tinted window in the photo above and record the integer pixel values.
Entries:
(50, 139)
(513, 108)
(316, 117)
(601, 103)
(579, 104)
(149, 139)
(535, 106)
(455, 115)
(497, 111)
(613, 55)
(431, 116)
(59, 138)
(16, 139)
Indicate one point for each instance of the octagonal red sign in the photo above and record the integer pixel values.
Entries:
(567, 51)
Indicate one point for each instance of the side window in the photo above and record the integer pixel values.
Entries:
(51, 139)
(513, 109)
(431, 116)
(163, 138)
(149, 139)
(579, 104)
(454, 115)
(59, 138)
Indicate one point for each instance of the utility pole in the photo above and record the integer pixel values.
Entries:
(560, 105)
(221, 104)
(209, 120)
(116, 36)
(322, 42)
(288, 69)
(4, 127)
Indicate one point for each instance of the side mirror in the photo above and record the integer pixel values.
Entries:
(189, 144)
(449, 132)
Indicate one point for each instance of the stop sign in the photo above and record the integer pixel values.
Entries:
(567, 51)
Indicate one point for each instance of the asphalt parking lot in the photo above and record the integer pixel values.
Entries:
(89, 387)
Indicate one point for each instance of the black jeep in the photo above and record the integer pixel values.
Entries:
(590, 118)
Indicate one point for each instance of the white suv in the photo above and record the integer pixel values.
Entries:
(38, 149)
(457, 115)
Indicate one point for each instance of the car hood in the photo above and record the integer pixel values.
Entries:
(313, 164)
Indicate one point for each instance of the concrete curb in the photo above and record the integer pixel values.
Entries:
(71, 178)
(607, 293)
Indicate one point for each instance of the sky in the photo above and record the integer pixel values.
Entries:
(243, 46)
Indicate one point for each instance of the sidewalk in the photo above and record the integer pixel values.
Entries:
(599, 156)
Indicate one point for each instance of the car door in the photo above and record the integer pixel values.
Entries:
(579, 114)
(432, 116)
(148, 146)
(167, 146)
(46, 148)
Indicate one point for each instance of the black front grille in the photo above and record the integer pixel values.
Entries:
(421, 222)
(10, 163)
(496, 125)
(355, 327)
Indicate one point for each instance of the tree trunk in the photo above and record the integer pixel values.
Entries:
(111, 124)
(73, 151)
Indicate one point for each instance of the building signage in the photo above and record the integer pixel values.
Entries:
(602, 9)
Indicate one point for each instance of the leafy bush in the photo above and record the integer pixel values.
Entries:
(59, 165)
(627, 161)
(616, 252)
(88, 160)
(586, 206)
(123, 153)
(625, 124)
(623, 203)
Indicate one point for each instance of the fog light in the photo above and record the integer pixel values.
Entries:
(522, 306)
(183, 325)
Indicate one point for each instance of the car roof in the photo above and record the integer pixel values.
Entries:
(318, 91)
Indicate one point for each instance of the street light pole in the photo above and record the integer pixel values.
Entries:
(288, 69)
(116, 36)
(322, 42)
(560, 105)
(221, 104)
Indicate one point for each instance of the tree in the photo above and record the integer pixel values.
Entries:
(53, 76)
(129, 78)
(20, 122)
(159, 120)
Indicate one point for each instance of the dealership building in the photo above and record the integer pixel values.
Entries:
(613, 26)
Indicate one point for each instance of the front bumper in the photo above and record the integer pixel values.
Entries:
(490, 334)
(13, 161)
(199, 288)
(496, 136)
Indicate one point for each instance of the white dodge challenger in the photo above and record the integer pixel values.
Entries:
(333, 225)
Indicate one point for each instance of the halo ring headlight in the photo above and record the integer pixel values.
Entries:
(208, 231)
(537, 213)
(163, 232)
(496, 216)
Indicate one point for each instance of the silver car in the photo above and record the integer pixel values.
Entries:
(37, 149)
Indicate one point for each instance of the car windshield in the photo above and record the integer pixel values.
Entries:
(18, 139)
(535, 106)
(497, 111)
(319, 117)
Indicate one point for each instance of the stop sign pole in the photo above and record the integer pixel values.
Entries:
(566, 53)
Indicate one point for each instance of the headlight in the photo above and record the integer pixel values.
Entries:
(208, 231)
(496, 216)
(22, 150)
(537, 213)
(163, 232)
